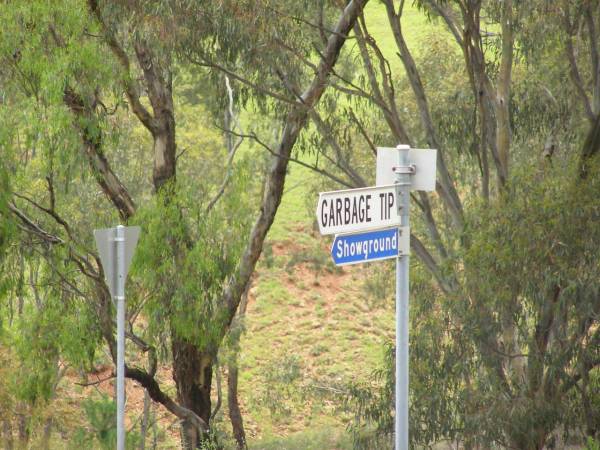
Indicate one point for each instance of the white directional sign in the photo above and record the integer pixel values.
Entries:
(360, 209)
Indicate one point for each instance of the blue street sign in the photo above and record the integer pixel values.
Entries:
(368, 246)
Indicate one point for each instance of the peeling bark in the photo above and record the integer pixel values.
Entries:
(192, 372)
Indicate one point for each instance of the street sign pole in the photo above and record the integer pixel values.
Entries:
(120, 297)
(116, 247)
(403, 184)
(361, 218)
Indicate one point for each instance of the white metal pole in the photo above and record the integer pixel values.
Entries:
(120, 290)
(403, 181)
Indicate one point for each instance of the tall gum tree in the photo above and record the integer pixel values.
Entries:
(142, 52)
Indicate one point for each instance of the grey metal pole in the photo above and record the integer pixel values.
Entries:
(120, 270)
(403, 181)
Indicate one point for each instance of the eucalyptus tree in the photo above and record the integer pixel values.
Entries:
(505, 343)
(75, 69)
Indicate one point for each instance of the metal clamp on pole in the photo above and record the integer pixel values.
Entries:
(403, 182)
(411, 169)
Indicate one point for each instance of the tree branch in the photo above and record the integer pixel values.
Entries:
(131, 89)
(390, 113)
(149, 383)
(232, 148)
(241, 79)
(574, 70)
(32, 227)
(446, 13)
(594, 59)
(319, 27)
(295, 121)
(111, 185)
(431, 223)
(425, 257)
(292, 159)
(340, 162)
(363, 132)
(447, 189)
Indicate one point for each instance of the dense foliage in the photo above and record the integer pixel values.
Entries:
(182, 117)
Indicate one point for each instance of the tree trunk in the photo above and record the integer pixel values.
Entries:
(45, 442)
(192, 367)
(145, 418)
(164, 153)
(590, 146)
(192, 372)
(235, 414)
(7, 434)
(535, 440)
(22, 432)
(503, 134)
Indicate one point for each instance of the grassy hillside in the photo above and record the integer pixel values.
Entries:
(310, 322)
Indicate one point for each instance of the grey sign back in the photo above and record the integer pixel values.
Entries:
(105, 242)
